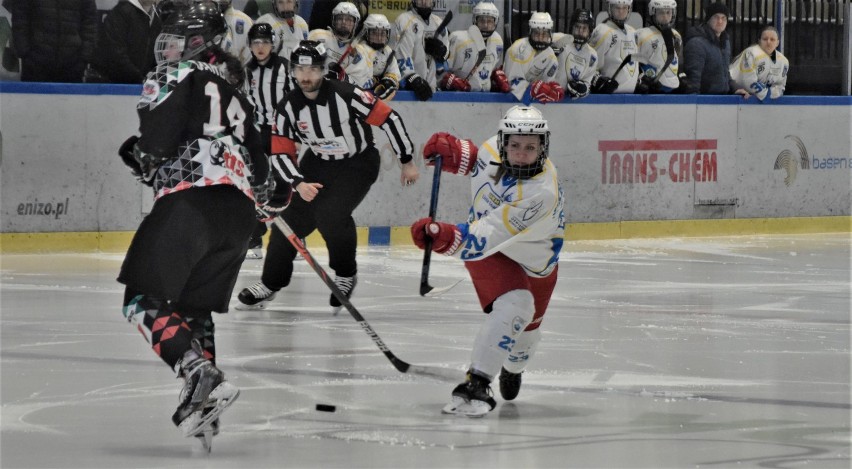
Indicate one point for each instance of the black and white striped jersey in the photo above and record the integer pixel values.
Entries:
(266, 85)
(336, 125)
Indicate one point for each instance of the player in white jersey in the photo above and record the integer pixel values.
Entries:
(416, 48)
(659, 46)
(239, 24)
(355, 67)
(761, 68)
(510, 245)
(290, 28)
(615, 41)
(386, 74)
(578, 61)
(531, 64)
(475, 53)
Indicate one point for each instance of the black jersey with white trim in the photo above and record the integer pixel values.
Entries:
(192, 117)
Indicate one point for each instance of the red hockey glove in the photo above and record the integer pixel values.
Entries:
(499, 81)
(452, 82)
(446, 238)
(459, 156)
(546, 92)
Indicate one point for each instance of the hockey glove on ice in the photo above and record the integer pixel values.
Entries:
(499, 81)
(434, 47)
(458, 156)
(386, 88)
(546, 92)
(452, 82)
(421, 88)
(603, 85)
(142, 165)
(446, 238)
(577, 89)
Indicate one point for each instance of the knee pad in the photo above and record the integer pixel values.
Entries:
(497, 337)
(525, 346)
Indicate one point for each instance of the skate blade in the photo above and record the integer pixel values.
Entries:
(244, 307)
(473, 409)
(224, 395)
(254, 254)
(206, 438)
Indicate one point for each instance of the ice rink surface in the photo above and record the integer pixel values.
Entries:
(682, 353)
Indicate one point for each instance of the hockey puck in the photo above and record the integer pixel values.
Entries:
(326, 408)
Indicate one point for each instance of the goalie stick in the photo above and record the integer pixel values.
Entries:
(444, 374)
(479, 44)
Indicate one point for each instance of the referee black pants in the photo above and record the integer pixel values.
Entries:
(345, 184)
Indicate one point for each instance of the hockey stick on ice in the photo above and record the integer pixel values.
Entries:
(425, 288)
(402, 366)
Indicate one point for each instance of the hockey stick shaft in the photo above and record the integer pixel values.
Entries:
(623, 63)
(433, 209)
(399, 364)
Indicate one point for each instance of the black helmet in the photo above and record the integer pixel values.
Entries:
(308, 53)
(582, 16)
(189, 32)
(261, 31)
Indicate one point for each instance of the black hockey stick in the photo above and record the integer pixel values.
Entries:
(425, 288)
(433, 209)
(623, 63)
(445, 374)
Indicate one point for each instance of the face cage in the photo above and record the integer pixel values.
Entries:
(377, 45)
(522, 171)
(668, 25)
(287, 14)
(485, 34)
(619, 23)
(540, 45)
(579, 40)
(169, 48)
(337, 32)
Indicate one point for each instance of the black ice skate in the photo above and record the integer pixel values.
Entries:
(346, 285)
(205, 396)
(471, 398)
(510, 384)
(256, 296)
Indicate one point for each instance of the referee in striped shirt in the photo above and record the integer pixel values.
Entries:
(267, 82)
(333, 119)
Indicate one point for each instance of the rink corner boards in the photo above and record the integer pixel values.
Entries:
(118, 241)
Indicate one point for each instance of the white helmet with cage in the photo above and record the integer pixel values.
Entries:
(377, 27)
(523, 120)
(488, 10)
(541, 21)
(348, 9)
(611, 4)
(662, 5)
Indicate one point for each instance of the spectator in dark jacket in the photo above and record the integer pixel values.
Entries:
(126, 43)
(54, 38)
(707, 54)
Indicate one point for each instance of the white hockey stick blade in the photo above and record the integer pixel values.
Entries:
(439, 291)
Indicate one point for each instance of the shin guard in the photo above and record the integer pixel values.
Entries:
(511, 313)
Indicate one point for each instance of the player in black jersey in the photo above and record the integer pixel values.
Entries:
(201, 152)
